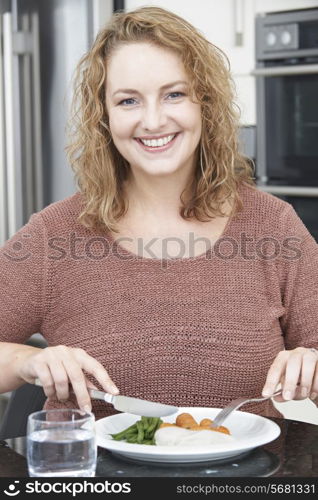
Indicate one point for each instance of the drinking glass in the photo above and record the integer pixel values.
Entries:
(61, 443)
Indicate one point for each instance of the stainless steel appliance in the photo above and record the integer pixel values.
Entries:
(40, 45)
(287, 104)
(287, 109)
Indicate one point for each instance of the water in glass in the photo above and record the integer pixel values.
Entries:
(63, 448)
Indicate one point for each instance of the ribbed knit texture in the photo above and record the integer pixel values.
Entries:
(191, 332)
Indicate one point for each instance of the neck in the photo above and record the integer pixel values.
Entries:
(156, 196)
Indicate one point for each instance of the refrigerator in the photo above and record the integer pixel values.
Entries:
(41, 42)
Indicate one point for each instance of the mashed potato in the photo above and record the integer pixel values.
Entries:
(177, 436)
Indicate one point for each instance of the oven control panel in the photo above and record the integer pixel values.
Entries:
(289, 34)
(281, 37)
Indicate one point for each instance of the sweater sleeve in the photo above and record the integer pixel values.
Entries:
(299, 282)
(22, 282)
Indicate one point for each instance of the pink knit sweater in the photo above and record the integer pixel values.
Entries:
(191, 332)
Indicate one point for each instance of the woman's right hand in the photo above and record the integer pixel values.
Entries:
(60, 368)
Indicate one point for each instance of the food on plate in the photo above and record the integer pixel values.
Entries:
(206, 422)
(187, 432)
(184, 431)
(179, 436)
(187, 421)
(141, 432)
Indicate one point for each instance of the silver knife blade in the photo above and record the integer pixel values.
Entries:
(127, 404)
(135, 406)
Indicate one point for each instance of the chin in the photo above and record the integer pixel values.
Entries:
(160, 172)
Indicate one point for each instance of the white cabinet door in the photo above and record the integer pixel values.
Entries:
(101, 13)
(228, 24)
(246, 98)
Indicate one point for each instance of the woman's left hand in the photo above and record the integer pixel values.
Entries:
(296, 371)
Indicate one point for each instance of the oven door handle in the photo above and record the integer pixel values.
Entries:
(304, 69)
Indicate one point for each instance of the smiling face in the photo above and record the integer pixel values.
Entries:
(153, 121)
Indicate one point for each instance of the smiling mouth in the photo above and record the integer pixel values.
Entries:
(157, 143)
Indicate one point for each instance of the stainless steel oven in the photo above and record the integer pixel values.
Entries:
(287, 109)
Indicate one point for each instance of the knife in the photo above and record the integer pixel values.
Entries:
(127, 404)
(134, 405)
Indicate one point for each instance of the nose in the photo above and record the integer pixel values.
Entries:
(153, 117)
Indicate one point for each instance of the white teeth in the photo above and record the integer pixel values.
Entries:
(156, 143)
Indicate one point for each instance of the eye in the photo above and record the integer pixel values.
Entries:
(127, 102)
(175, 95)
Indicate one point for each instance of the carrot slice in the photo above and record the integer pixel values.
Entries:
(186, 421)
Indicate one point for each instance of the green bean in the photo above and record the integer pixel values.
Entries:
(141, 432)
(145, 421)
(125, 437)
(155, 424)
(158, 424)
(147, 430)
(132, 440)
(117, 438)
(152, 425)
(148, 441)
(120, 435)
(133, 430)
(140, 435)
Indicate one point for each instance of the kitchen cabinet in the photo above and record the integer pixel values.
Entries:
(100, 14)
(246, 98)
(227, 24)
(230, 26)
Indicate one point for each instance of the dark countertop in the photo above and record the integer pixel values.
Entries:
(293, 454)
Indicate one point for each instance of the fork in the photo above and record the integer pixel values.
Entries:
(235, 404)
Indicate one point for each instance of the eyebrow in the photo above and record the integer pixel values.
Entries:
(164, 87)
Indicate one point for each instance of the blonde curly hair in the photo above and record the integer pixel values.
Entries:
(100, 170)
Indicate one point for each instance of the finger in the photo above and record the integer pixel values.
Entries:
(314, 387)
(307, 373)
(90, 385)
(275, 373)
(61, 380)
(93, 367)
(292, 375)
(79, 386)
(279, 398)
(46, 379)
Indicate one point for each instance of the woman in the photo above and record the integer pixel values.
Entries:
(168, 273)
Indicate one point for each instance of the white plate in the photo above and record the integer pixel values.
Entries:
(249, 431)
